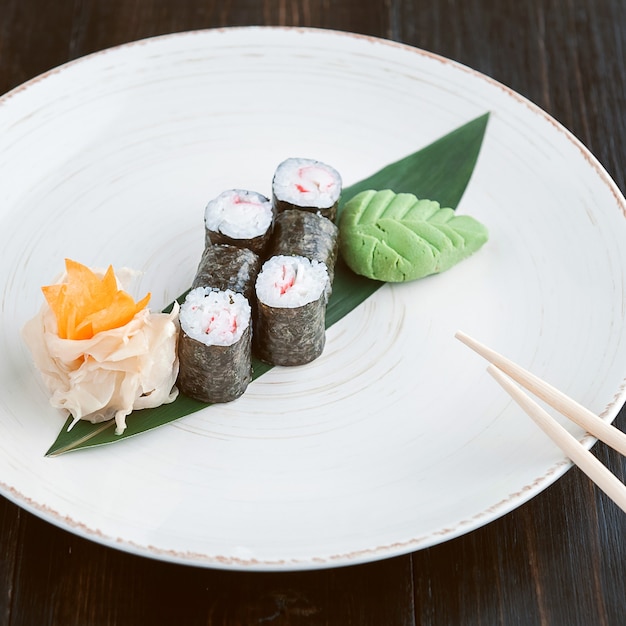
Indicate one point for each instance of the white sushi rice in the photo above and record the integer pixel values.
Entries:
(239, 213)
(307, 183)
(291, 281)
(215, 318)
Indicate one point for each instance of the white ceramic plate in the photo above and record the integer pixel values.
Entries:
(396, 438)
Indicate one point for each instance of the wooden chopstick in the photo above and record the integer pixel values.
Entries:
(503, 370)
(582, 416)
(589, 464)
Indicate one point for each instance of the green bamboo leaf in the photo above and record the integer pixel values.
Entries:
(440, 171)
(395, 237)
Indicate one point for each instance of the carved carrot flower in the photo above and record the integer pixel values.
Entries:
(85, 304)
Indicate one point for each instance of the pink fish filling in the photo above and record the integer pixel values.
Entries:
(287, 280)
(315, 179)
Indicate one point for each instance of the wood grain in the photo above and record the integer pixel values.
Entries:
(558, 560)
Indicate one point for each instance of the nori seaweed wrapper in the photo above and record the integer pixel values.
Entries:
(214, 373)
(256, 244)
(300, 233)
(329, 213)
(290, 336)
(228, 267)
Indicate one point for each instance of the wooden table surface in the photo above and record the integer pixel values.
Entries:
(559, 559)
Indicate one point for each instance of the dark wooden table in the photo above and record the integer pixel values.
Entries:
(561, 558)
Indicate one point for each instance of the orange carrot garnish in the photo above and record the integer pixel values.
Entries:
(86, 304)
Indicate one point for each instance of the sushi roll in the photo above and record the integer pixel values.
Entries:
(301, 233)
(240, 218)
(223, 266)
(291, 300)
(307, 185)
(214, 347)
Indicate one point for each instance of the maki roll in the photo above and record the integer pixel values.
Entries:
(291, 300)
(307, 185)
(240, 218)
(301, 233)
(223, 266)
(214, 347)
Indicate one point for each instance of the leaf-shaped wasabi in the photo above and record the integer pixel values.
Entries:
(398, 237)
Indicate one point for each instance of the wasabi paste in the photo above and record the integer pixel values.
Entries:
(397, 237)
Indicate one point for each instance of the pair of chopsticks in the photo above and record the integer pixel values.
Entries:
(505, 372)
